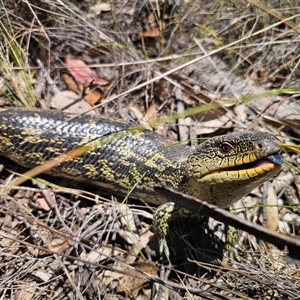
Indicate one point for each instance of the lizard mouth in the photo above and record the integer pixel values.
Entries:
(271, 160)
(245, 171)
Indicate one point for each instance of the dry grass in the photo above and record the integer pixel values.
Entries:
(160, 59)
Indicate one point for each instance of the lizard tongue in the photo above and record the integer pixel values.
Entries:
(275, 158)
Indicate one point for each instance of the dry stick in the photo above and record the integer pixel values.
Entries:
(201, 207)
(129, 63)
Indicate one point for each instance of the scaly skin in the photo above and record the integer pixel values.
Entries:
(220, 170)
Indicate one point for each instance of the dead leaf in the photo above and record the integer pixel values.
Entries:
(206, 127)
(127, 219)
(91, 96)
(102, 253)
(71, 83)
(43, 204)
(161, 89)
(126, 281)
(136, 248)
(99, 7)
(150, 33)
(84, 74)
(136, 113)
(139, 116)
(240, 111)
(150, 115)
(57, 246)
(28, 289)
(132, 285)
(65, 98)
(7, 238)
(46, 199)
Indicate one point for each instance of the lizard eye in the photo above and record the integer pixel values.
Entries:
(225, 147)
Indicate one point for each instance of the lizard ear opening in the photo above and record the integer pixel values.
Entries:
(258, 146)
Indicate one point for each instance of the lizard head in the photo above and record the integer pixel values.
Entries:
(223, 169)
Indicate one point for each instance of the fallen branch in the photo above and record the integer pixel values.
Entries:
(195, 205)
